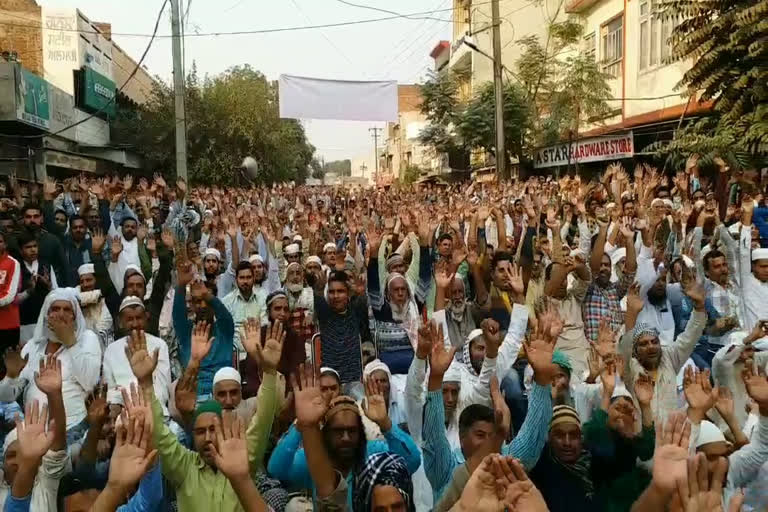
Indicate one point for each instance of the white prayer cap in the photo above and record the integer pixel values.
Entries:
(10, 437)
(297, 238)
(254, 258)
(212, 252)
(314, 259)
(131, 301)
(131, 269)
(86, 268)
(668, 203)
(657, 201)
(375, 365)
(759, 254)
(474, 334)
(325, 370)
(610, 205)
(618, 255)
(621, 390)
(292, 249)
(453, 373)
(709, 433)
(330, 246)
(688, 262)
(226, 373)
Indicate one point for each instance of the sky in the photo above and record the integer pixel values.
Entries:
(396, 49)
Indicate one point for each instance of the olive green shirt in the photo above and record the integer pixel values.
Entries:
(197, 485)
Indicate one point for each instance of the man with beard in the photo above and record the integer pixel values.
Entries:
(49, 246)
(194, 475)
(125, 239)
(95, 310)
(342, 434)
(396, 311)
(300, 300)
(242, 303)
(644, 354)
(753, 271)
(134, 284)
(205, 307)
(603, 297)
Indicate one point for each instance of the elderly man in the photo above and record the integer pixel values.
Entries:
(329, 257)
(644, 354)
(60, 330)
(300, 301)
(243, 303)
(95, 310)
(118, 375)
(228, 391)
(378, 372)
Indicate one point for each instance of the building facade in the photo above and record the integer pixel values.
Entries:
(62, 70)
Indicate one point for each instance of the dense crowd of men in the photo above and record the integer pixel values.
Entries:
(531, 345)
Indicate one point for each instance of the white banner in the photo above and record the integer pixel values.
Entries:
(593, 149)
(314, 98)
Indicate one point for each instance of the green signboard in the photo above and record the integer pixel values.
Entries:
(97, 93)
(32, 104)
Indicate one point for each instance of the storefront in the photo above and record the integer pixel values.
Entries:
(607, 148)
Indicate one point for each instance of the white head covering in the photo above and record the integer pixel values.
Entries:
(42, 333)
(759, 254)
(474, 334)
(292, 249)
(226, 373)
(298, 238)
(327, 369)
(621, 390)
(375, 365)
(135, 269)
(616, 256)
(314, 259)
(254, 258)
(10, 437)
(709, 433)
(212, 252)
(129, 302)
(86, 268)
(453, 373)
(330, 246)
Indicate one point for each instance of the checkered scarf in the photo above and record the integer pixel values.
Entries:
(382, 469)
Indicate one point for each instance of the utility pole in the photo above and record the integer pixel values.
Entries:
(498, 87)
(375, 152)
(178, 93)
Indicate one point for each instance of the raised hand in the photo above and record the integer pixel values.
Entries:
(141, 232)
(250, 337)
(756, 384)
(443, 278)
(97, 407)
(606, 339)
(131, 459)
(273, 347)
(670, 466)
(48, 378)
(440, 358)
(186, 391)
(724, 402)
(49, 188)
(33, 439)
(425, 340)
(142, 362)
(231, 450)
(696, 293)
(309, 402)
(185, 273)
(117, 247)
(698, 392)
(375, 406)
(635, 303)
(608, 377)
(540, 346)
(644, 389)
(97, 241)
(167, 238)
(14, 363)
(202, 341)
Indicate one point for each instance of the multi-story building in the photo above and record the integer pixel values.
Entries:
(60, 70)
(402, 148)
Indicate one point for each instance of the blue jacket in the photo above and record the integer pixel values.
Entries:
(223, 333)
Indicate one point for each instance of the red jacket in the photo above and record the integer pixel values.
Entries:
(10, 275)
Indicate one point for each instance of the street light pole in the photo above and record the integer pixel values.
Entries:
(498, 87)
(178, 94)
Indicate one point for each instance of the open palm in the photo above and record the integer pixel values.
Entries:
(48, 379)
(670, 458)
(142, 362)
(232, 451)
(33, 439)
(309, 402)
(756, 384)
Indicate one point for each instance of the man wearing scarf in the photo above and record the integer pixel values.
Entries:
(95, 310)
(397, 311)
(301, 300)
(61, 331)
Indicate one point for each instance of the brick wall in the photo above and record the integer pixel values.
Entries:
(20, 32)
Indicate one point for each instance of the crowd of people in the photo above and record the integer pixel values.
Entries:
(556, 344)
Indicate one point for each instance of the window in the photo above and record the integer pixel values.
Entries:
(655, 31)
(590, 42)
(612, 34)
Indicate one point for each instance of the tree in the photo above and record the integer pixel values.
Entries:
(410, 174)
(440, 104)
(229, 116)
(726, 42)
(339, 167)
(317, 169)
